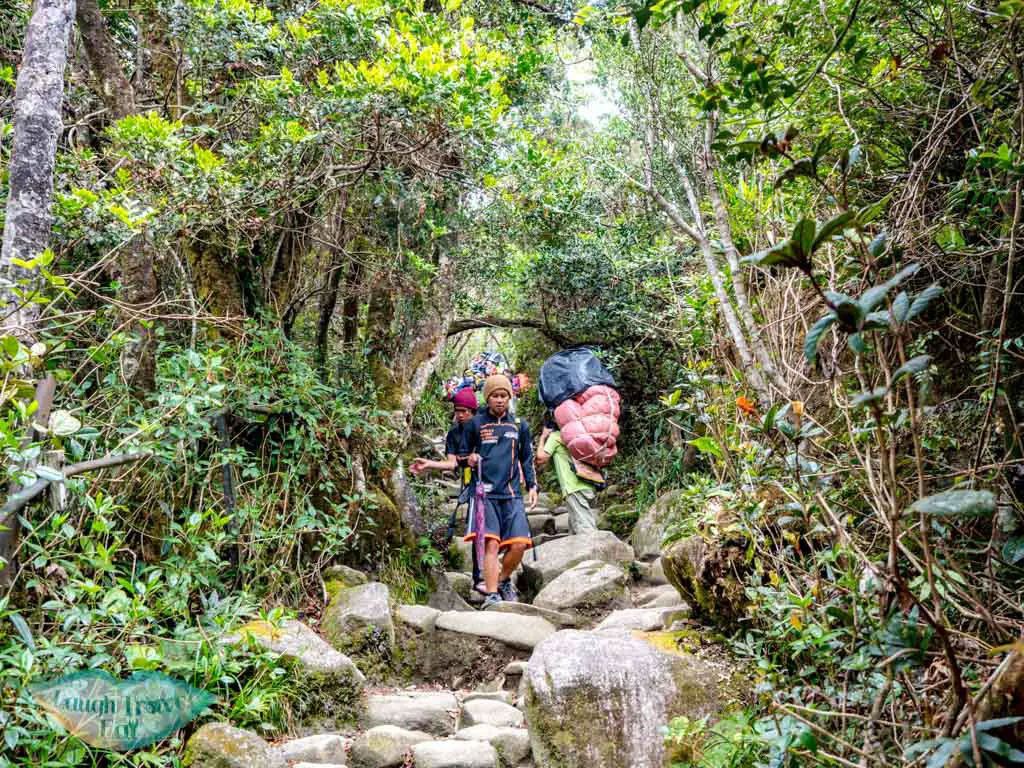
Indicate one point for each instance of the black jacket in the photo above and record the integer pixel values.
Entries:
(503, 444)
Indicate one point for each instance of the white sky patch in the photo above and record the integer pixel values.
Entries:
(594, 103)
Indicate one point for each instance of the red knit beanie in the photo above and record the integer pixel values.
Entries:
(465, 398)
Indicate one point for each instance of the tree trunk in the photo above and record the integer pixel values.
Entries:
(138, 290)
(401, 364)
(37, 127)
(336, 237)
(328, 302)
(215, 275)
(164, 62)
(350, 306)
(696, 232)
(114, 89)
(708, 168)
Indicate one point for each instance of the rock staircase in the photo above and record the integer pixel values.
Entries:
(595, 633)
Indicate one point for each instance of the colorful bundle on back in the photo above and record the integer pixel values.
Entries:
(589, 424)
(580, 390)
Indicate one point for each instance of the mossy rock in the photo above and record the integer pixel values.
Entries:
(338, 577)
(708, 576)
(599, 699)
(618, 518)
(329, 683)
(220, 745)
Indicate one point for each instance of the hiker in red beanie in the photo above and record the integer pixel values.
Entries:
(456, 450)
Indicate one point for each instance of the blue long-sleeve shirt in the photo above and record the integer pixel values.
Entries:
(503, 445)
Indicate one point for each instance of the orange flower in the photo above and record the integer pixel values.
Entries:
(746, 405)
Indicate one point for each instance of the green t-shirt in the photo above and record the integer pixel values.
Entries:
(568, 480)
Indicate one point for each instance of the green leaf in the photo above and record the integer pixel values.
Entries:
(878, 243)
(999, 722)
(850, 314)
(873, 296)
(802, 167)
(48, 473)
(876, 395)
(781, 253)
(942, 754)
(996, 746)
(831, 227)
(62, 423)
(23, 631)
(949, 238)
(803, 238)
(856, 344)
(823, 147)
(870, 212)
(1013, 551)
(787, 429)
(11, 346)
(913, 366)
(873, 321)
(908, 271)
(922, 300)
(806, 740)
(900, 307)
(706, 444)
(960, 503)
(814, 334)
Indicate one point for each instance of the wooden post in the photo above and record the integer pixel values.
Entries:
(57, 493)
(9, 528)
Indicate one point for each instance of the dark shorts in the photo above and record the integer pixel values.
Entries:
(505, 522)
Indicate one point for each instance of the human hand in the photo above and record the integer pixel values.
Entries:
(473, 459)
(417, 466)
(532, 496)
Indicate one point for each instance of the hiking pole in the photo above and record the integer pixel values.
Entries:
(451, 524)
(479, 511)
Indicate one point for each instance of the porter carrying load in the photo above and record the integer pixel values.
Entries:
(580, 391)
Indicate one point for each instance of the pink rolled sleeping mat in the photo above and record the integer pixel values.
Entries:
(589, 425)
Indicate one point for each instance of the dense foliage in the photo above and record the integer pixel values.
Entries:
(794, 235)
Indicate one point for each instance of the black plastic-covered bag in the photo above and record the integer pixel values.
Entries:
(567, 373)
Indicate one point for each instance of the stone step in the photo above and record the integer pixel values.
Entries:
(419, 617)
(511, 744)
(642, 619)
(490, 712)
(515, 631)
(505, 697)
(544, 538)
(322, 748)
(588, 588)
(555, 557)
(454, 754)
(661, 596)
(384, 746)
(432, 713)
(559, 619)
(541, 522)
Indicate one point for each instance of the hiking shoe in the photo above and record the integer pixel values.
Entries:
(508, 592)
(492, 599)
